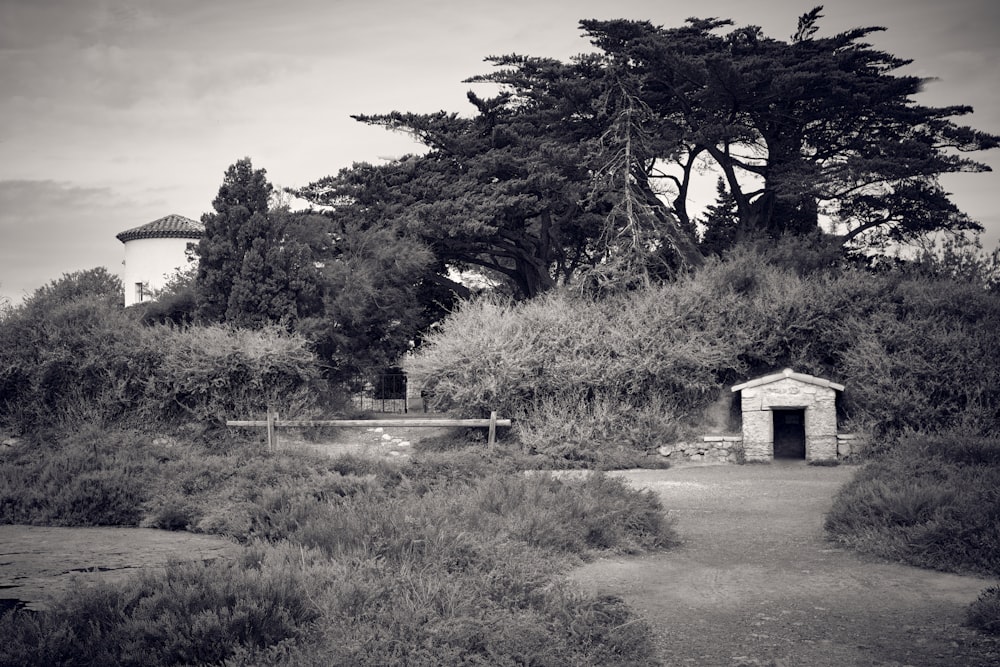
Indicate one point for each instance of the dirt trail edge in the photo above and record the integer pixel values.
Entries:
(755, 582)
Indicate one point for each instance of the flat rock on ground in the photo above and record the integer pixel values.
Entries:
(37, 562)
(755, 582)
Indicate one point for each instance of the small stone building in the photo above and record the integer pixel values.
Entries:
(789, 415)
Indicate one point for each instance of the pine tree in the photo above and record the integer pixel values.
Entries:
(721, 222)
(251, 272)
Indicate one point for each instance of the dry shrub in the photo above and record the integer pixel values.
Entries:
(984, 613)
(213, 373)
(930, 501)
(914, 352)
(600, 433)
(366, 563)
(190, 613)
(90, 362)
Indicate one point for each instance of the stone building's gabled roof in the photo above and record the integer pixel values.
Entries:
(788, 373)
(167, 227)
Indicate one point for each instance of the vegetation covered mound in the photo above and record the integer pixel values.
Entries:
(585, 375)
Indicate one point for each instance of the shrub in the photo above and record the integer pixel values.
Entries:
(447, 559)
(87, 361)
(493, 355)
(575, 515)
(463, 573)
(90, 478)
(984, 613)
(192, 613)
(923, 361)
(531, 361)
(67, 362)
(601, 433)
(914, 351)
(212, 373)
(931, 501)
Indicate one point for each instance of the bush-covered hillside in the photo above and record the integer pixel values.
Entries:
(72, 354)
(915, 352)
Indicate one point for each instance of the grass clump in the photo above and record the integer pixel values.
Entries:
(466, 572)
(931, 502)
(88, 478)
(189, 613)
(984, 613)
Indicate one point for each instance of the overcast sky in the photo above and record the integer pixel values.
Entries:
(116, 112)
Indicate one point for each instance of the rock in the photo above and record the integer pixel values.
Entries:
(403, 443)
(40, 561)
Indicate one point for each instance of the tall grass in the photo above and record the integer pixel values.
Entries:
(348, 561)
(932, 502)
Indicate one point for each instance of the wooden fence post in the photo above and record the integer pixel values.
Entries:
(270, 429)
(492, 440)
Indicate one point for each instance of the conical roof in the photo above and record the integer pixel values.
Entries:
(169, 226)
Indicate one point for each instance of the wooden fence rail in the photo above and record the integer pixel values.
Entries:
(274, 422)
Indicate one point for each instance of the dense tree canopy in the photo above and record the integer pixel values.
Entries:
(811, 126)
(359, 293)
(585, 167)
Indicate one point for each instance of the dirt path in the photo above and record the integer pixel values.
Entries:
(755, 583)
(387, 441)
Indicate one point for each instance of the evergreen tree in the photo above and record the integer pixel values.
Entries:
(721, 222)
(251, 271)
(798, 127)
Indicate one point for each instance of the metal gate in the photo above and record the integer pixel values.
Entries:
(381, 392)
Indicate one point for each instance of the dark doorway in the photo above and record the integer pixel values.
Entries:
(790, 434)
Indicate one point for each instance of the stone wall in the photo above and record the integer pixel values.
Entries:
(729, 449)
(849, 444)
(706, 449)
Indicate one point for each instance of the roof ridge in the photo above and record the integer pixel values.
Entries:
(791, 374)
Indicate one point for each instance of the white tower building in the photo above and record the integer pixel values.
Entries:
(155, 251)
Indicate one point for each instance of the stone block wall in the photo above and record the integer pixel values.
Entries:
(707, 449)
(731, 449)
(848, 444)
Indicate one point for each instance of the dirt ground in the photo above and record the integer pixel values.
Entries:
(388, 441)
(754, 581)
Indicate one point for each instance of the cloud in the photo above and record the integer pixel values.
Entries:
(48, 228)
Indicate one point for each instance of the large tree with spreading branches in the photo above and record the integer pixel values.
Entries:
(585, 168)
(809, 127)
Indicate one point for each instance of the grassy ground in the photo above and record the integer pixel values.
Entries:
(448, 558)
